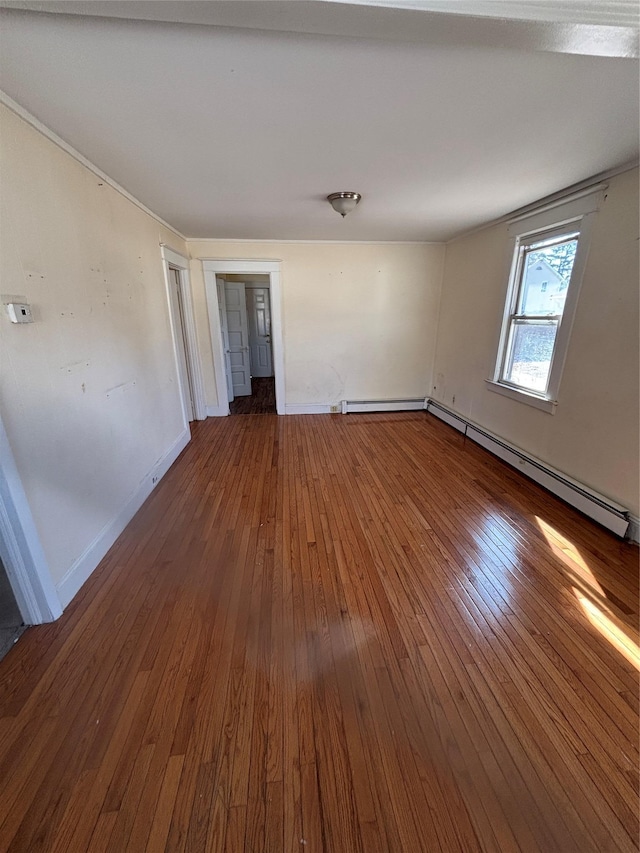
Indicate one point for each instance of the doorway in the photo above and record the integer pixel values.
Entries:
(244, 303)
(245, 317)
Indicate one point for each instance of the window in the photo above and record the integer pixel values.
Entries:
(535, 314)
(548, 253)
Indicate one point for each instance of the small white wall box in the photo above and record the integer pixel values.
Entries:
(19, 312)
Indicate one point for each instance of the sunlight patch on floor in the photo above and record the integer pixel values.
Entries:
(609, 629)
(590, 595)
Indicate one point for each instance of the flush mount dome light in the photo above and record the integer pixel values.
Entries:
(343, 203)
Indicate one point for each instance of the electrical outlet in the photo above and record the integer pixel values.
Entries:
(334, 410)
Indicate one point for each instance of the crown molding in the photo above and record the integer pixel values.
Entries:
(314, 242)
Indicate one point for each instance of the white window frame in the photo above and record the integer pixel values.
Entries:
(573, 215)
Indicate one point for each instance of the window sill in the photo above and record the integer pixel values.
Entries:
(522, 396)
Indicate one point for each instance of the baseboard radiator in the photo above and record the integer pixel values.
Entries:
(410, 404)
(601, 509)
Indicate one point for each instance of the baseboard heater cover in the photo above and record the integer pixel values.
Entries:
(611, 515)
(410, 404)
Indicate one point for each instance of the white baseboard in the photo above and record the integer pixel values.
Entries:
(611, 515)
(308, 409)
(448, 417)
(217, 411)
(303, 409)
(93, 554)
(633, 533)
(410, 404)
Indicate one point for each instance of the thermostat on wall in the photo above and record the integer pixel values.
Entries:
(19, 312)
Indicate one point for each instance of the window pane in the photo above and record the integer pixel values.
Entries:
(529, 354)
(545, 278)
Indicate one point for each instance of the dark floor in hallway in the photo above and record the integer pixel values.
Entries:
(261, 402)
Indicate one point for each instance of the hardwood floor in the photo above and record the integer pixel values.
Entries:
(333, 633)
(261, 402)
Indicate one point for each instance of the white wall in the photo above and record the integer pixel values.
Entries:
(359, 319)
(89, 391)
(593, 436)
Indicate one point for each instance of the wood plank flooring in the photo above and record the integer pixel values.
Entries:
(333, 633)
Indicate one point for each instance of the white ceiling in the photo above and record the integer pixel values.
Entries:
(229, 131)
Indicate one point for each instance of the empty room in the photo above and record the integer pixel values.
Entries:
(319, 383)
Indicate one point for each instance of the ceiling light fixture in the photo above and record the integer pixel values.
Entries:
(343, 203)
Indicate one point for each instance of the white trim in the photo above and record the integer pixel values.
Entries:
(633, 533)
(308, 409)
(180, 262)
(213, 267)
(522, 396)
(314, 242)
(217, 411)
(89, 560)
(177, 259)
(448, 417)
(411, 404)
(183, 392)
(602, 509)
(577, 204)
(20, 549)
(30, 119)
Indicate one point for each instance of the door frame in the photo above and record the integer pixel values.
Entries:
(179, 262)
(20, 548)
(273, 269)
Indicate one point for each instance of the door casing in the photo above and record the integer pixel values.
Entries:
(182, 347)
(180, 263)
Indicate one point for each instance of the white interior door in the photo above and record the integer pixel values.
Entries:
(238, 333)
(183, 364)
(259, 317)
(222, 310)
